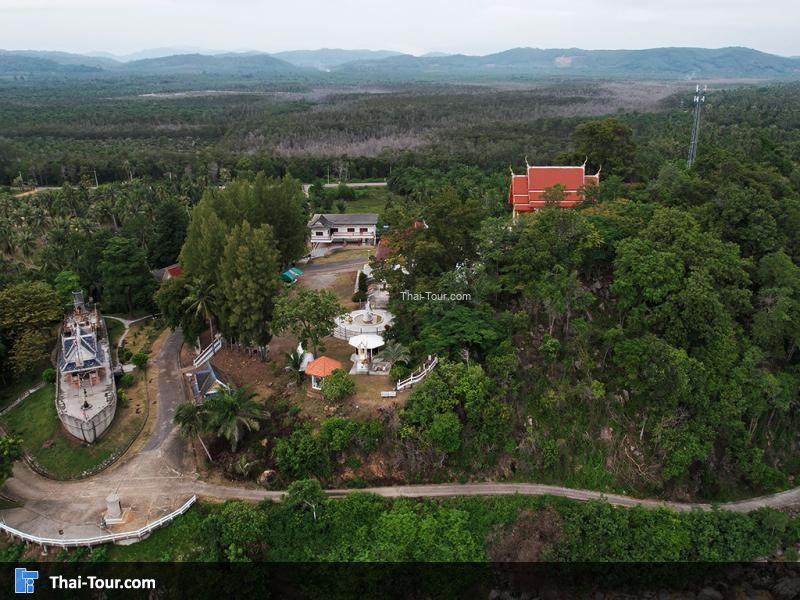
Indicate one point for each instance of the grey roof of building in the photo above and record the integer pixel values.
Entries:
(344, 219)
(207, 376)
(80, 351)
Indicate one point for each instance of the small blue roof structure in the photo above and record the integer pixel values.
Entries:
(289, 277)
(208, 380)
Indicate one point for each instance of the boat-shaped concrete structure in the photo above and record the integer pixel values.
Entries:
(86, 396)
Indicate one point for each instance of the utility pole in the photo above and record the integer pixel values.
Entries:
(699, 100)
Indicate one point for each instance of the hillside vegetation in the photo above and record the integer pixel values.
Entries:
(644, 342)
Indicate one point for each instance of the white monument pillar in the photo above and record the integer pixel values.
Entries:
(113, 509)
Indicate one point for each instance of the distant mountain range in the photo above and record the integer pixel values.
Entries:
(666, 63)
(326, 59)
(223, 64)
(157, 53)
(683, 63)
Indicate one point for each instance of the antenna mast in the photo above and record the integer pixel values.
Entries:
(699, 99)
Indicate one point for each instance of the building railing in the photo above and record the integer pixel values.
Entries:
(344, 236)
(418, 375)
(100, 539)
(210, 351)
(345, 333)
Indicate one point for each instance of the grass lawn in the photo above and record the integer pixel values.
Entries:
(6, 503)
(368, 200)
(36, 422)
(10, 391)
(366, 401)
(115, 330)
(142, 335)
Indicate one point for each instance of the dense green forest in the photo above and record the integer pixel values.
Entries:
(645, 342)
(51, 133)
(54, 132)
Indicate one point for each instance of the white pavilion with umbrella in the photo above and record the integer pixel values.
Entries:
(364, 343)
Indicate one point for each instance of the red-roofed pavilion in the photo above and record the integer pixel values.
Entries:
(525, 192)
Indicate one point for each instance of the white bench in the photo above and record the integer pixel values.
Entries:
(389, 394)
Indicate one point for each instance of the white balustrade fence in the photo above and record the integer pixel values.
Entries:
(345, 333)
(418, 375)
(110, 538)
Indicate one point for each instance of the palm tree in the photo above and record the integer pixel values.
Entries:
(244, 466)
(191, 418)
(201, 301)
(395, 352)
(231, 411)
(6, 236)
(25, 241)
(294, 361)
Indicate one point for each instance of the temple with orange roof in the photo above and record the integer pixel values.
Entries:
(526, 191)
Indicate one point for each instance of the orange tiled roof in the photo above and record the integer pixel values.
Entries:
(322, 366)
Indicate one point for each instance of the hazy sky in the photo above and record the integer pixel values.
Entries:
(417, 26)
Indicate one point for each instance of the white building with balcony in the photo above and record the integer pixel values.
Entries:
(357, 228)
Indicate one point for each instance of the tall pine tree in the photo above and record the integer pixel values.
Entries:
(248, 283)
(205, 241)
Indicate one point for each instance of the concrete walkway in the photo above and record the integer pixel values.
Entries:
(162, 477)
(22, 397)
(127, 324)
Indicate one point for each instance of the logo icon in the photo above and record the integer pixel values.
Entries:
(23, 580)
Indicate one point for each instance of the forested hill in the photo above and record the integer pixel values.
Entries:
(224, 64)
(12, 63)
(677, 63)
(32, 63)
(660, 63)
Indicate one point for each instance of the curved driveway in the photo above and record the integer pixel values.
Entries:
(161, 477)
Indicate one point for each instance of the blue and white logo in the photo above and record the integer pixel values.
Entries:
(23, 580)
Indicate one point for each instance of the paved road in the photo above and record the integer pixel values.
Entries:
(170, 391)
(346, 264)
(364, 184)
(161, 478)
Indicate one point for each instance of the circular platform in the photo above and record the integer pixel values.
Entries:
(355, 323)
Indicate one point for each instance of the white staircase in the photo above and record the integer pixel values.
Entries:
(209, 351)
